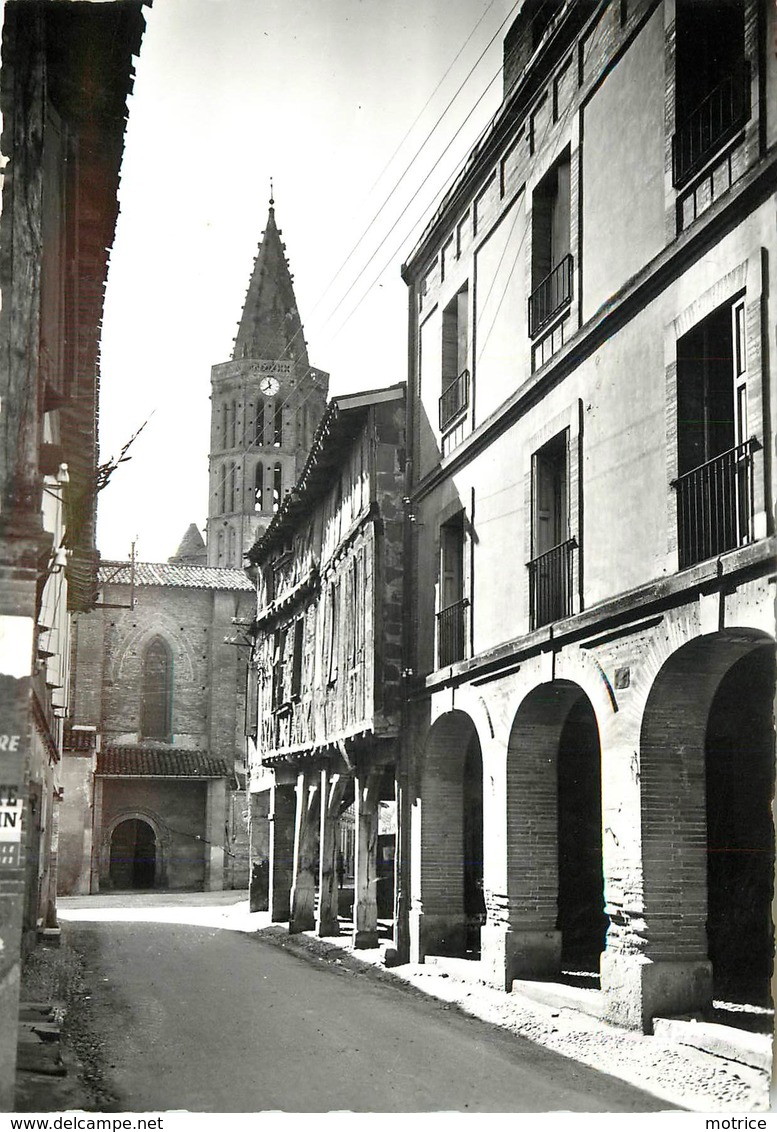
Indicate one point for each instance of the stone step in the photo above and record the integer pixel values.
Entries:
(747, 1048)
(560, 996)
(43, 1010)
(40, 1057)
(43, 1031)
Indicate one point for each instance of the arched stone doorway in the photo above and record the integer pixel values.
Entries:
(447, 899)
(706, 761)
(554, 841)
(133, 858)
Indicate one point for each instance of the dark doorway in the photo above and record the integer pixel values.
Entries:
(133, 855)
(581, 918)
(472, 820)
(739, 753)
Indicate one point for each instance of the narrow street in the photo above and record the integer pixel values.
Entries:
(190, 1015)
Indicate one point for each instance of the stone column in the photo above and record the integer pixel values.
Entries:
(215, 817)
(303, 888)
(655, 960)
(332, 790)
(281, 819)
(365, 907)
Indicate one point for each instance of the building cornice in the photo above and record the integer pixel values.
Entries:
(652, 599)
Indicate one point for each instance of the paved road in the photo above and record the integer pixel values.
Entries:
(196, 1017)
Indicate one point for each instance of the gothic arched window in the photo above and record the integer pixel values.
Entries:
(277, 487)
(258, 487)
(232, 486)
(222, 487)
(156, 694)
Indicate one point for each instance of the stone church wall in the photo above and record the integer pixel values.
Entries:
(176, 808)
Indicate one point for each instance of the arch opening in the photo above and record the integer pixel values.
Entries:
(451, 861)
(739, 780)
(472, 847)
(133, 855)
(581, 917)
(706, 784)
(555, 874)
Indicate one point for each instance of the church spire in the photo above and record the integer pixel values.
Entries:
(270, 326)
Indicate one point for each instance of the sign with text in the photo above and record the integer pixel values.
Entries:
(10, 825)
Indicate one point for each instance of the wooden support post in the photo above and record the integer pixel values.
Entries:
(281, 818)
(365, 906)
(303, 888)
(259, 851)
(332, 790)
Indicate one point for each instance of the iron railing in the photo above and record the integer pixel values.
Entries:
(551, 295)
(550, 584)
(714, 121)
(454, 399)
(715, 505)
(451, 635)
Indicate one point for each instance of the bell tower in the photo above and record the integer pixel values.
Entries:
(266, 403)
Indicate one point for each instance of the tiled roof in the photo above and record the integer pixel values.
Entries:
(77, 740)
(170, 574)
(156, 763)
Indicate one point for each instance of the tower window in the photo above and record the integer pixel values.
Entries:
(232, 486)
(277, 487)
(277, 430)
(258, 487)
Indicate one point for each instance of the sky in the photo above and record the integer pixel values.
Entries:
(361, 112)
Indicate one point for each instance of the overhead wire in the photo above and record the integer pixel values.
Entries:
(420, 150)
(452, 177)
(425, 141)
(247, 448)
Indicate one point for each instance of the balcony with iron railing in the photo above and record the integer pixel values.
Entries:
(711, 124)
(550, 296)
(451, 636)
(551, 584)
(454, 399)
(715, 505)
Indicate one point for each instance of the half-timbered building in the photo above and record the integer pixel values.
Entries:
(326, 671)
